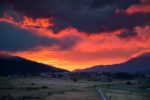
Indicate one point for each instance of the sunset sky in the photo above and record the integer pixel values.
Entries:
(75, 34)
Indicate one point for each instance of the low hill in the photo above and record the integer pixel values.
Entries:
(17, 65)
(137, 64)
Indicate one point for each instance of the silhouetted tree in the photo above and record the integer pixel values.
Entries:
(74, 79)
(128, 83)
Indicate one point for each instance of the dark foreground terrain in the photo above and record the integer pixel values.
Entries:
(42, 88)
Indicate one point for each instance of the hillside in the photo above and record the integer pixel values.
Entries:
(17, 65)
(137, 64)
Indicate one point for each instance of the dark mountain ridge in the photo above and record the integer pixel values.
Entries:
(10, 65)
(137, 64)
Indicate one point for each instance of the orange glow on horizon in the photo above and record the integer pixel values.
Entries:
(59, 60)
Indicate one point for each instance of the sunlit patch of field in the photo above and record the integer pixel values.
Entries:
(37, 88)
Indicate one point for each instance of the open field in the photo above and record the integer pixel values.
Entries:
(39, 88)
(123, 96)
(36, 88)
(125, 92)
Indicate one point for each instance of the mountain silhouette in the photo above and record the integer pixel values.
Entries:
(10, 65)
(140, 63)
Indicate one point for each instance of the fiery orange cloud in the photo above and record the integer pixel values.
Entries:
(36, 26)
(39, 26)
(44, 23)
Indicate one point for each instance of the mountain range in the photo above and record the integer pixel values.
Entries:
(16, 65)
(10, 65)
(140, 63)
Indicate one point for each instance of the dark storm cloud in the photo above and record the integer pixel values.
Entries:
(119, 3)
(69, 41)
(15, 39)
(90, 16)
(12, 38)
(126, 34)
(4, 6)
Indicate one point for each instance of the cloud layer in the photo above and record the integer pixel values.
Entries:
(90, 16)
(75, 33)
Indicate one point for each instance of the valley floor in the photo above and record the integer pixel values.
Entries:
(39, 88)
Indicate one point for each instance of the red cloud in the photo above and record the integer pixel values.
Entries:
(144, 7)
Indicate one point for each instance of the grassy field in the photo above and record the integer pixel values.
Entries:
(122, 96)
(36, 88)
(123, 91)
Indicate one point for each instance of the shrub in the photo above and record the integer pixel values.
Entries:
(61, 92)
(94, 85)
(30, 97)
(38, 98)
(144, 86)
(74, 80)
(74, 90)
(27, 97)
(139, 82)
(32, 84)
(31, 88)
(7, 97)
(44, 87)
(123, 75)
(128, 83)
(50, 93)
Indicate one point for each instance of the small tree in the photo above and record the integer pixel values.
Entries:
(74, 79)
(128, 83)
